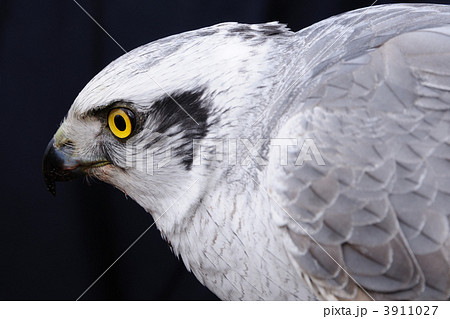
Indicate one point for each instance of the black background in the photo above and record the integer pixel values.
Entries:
(54, 248)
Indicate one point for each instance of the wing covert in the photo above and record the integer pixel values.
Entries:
(380, 206)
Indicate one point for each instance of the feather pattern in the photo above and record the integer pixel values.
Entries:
(380, 115)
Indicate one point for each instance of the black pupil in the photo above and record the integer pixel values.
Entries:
(119, 121)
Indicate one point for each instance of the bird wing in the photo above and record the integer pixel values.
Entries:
(376, 215)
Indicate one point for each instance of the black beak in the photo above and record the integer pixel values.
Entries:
(58, 166)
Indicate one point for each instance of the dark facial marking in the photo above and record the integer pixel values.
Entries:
(168, 114)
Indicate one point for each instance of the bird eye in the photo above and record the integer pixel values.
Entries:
(121, 122)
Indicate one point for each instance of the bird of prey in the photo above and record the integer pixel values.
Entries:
(303, 165)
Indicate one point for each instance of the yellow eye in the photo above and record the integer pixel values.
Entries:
(121, 122)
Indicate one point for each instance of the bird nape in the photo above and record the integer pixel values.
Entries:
(283, 165)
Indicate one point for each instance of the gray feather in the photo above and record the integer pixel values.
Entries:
(379, 113)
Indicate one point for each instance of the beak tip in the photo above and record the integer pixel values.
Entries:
(49, 179)
(51, 186)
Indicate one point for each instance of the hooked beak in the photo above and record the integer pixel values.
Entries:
(59, 165)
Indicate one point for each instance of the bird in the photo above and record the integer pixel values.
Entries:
(282, 165)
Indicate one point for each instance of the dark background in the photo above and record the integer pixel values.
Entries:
(54, 248)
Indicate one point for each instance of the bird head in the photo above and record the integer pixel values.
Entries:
(133, 125)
